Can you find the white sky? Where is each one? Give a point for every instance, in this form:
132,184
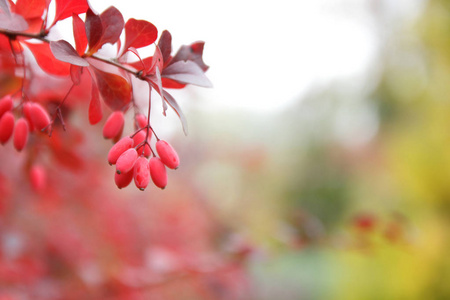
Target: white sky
265,54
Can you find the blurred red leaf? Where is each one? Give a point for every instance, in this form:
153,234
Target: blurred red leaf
64,51
115,90
187,72
139,33
75,74
95,107
66,8
79,34
47,61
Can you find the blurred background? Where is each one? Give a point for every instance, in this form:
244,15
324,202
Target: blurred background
318,167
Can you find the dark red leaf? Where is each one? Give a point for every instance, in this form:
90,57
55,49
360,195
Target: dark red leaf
139,33
79,34
66,8
95,107
47,61
112,21
13,22
94,30
115,90
187,72
165,45
30,9
173,103
64,51
193,52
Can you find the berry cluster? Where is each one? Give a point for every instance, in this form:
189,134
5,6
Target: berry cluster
131,154
25,28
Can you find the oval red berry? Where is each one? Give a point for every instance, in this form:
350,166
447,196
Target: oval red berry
124,179
39,116
168,155
141,173
6,104
114,125
120,147
27,113
6,126
20,134
126,161
158,172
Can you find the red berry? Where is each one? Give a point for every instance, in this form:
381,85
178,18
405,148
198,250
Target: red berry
6,104
141,173
141,121
39,116
139,138
114,125
168,155
20,134
6,126
27,113
38,177
124,179
120,147
158,172
126,161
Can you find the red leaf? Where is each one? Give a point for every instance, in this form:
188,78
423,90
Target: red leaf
193,52
112,21
66,8
139,33
47,61
95,107
30,9
79,34
115,90
165,45
187,72
173,103
172,84
75,74
94,30
64,51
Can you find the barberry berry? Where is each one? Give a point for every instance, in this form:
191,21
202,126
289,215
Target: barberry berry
126,161
20,134
141,121
114,125
27,113
118,148
168,155
6,126
6,104
141,173
124,179
39,116
158,172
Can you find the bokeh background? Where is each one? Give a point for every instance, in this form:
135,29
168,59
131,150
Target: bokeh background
318,167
